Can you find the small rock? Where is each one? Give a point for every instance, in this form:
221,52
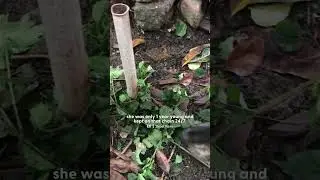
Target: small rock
152,16
192,11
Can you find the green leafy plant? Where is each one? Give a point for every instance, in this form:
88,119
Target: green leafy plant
147,141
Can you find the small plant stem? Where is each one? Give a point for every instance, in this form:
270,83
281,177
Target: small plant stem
13,98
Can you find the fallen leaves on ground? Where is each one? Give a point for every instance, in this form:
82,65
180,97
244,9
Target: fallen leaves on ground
246,57
162,161
119,154
136,42
123,166
194,52
306,64
186,79
122,163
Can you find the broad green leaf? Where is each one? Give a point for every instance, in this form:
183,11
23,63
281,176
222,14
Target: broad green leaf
123,97
178,159
270,15
40,116
140,148
181,28
204,57
149,175
34,159
200,72
22,39
115,73
98,9
140,177
147,143
153,139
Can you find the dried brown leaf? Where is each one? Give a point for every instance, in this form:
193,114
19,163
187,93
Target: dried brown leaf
192,54
119,154
136,42
306,64
129,153
134,167
162,161
246,57
187,79
120,165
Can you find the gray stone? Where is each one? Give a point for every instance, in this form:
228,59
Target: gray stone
152,16
191,10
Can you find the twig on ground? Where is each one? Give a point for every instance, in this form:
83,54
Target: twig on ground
127,147
171,154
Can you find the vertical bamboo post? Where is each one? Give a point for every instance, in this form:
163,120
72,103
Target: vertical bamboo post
68,57
121,20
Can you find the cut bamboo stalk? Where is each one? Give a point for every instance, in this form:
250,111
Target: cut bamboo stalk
121,21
